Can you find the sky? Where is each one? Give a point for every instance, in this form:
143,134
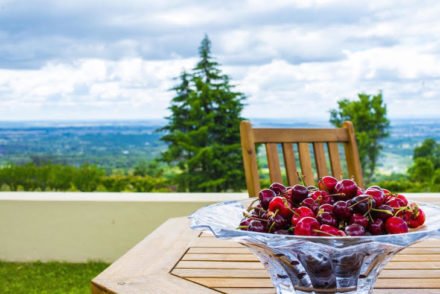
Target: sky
94,60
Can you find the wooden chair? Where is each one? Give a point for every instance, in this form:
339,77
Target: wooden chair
302,137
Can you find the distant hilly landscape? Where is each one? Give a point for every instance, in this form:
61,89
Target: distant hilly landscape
121,145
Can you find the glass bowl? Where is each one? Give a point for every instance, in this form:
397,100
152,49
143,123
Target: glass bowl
309,264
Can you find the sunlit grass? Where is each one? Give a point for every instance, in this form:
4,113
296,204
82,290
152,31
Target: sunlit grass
51,277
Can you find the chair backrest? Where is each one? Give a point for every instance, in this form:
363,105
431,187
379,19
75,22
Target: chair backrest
303,138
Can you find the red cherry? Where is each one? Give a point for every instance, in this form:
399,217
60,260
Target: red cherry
321,197
414,216
396,225
402,199
301,212
377,195
328,184
395,203
326,230
280,205
307,226
347,187
386,192
359,219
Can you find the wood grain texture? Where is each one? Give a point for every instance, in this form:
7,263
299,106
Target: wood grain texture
335,160
273,162
287,137
320,159
352,155
290,164
249,158
280,135
145,268
306,163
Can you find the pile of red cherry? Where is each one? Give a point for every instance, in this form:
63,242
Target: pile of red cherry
336,208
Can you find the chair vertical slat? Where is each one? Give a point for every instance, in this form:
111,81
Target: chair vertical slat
335,160
249,158
352,155
290,164
321,162
273,163
306,163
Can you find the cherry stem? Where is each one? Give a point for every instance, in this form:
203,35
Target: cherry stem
337,195
363,200
271,227
250,207
326,233
382,210
301,178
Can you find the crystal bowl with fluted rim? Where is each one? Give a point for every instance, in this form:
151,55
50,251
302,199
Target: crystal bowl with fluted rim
314,264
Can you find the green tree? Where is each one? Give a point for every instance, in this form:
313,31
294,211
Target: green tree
203,129
422,170
369,116
429,149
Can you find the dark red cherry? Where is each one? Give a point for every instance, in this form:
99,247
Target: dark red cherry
297,193
362,203
359,219
257,226
355,230
310,203
278,188
276,222
383,212
265,197
327,218
342,210
377,227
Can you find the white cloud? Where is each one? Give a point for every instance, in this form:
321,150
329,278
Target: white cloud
79,60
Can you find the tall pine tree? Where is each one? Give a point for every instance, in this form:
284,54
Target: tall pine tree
203,133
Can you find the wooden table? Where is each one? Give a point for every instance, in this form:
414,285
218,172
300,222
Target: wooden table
175,259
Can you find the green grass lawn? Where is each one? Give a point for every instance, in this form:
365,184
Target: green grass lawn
50,277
